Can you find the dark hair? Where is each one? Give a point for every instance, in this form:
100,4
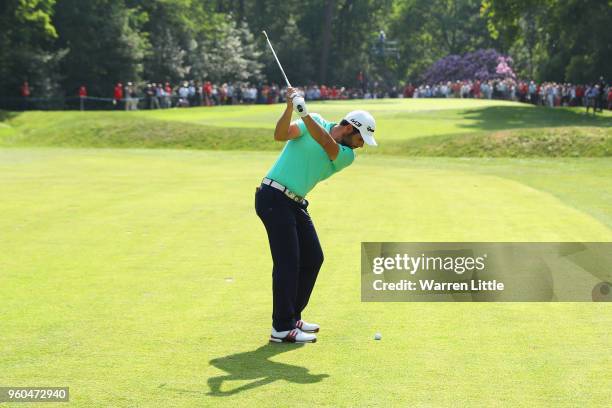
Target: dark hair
346,122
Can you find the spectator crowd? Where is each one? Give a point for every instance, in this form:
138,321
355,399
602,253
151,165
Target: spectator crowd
129,96
194,93
596,96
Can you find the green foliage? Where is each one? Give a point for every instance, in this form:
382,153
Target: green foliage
226,54
26,47
98,42
428,30
292,50
170,36
36,13
104,41
292,37
355,29
560,40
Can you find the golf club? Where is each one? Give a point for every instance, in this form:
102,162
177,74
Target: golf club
277,61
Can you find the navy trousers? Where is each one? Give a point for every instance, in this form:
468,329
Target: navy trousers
296,254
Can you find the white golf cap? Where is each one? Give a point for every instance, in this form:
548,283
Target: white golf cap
365,123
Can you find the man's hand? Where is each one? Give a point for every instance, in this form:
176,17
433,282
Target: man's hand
284,129
297,102
289,97
299,106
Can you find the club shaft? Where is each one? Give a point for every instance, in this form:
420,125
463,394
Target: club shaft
276,58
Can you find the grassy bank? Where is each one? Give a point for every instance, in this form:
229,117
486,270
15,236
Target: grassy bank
451,128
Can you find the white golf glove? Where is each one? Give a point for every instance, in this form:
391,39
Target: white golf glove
299,105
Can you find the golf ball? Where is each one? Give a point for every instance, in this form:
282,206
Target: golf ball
377,336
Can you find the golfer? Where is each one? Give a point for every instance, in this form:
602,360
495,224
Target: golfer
315,150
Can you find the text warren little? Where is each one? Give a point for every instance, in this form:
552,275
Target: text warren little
431,285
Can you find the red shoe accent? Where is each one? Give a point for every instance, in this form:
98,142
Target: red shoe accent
300,325
291,336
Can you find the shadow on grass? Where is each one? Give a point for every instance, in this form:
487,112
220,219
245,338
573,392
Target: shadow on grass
256,365
8,115
512,117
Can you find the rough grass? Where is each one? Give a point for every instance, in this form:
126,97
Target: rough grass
536,142
450,128
123,131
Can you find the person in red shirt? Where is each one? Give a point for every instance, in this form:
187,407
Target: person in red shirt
579,95
207,92
456,87
167,95
476,89
409,91
25,94
610,98
82,96
118,95
324,93
523,91
334,93
362,81
25,89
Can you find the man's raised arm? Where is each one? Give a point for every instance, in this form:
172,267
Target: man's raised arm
284,129
316,131
322,137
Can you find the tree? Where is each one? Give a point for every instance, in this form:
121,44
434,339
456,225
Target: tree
326,39
168,28
26,45
428,30
292,38
227,54
105,43
479,65
355,23
559,40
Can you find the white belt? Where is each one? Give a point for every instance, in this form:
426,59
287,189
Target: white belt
284,190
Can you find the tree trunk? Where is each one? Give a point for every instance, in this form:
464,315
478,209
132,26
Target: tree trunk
240,10
326,40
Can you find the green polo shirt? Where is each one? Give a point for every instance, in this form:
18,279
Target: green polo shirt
303,162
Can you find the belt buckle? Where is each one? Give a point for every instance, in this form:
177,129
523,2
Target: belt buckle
293,196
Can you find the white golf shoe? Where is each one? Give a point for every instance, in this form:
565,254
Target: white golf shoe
307,327
292,336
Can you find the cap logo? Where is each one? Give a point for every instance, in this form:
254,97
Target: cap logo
370,129
355,122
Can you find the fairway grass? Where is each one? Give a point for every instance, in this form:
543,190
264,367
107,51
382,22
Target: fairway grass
143,278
